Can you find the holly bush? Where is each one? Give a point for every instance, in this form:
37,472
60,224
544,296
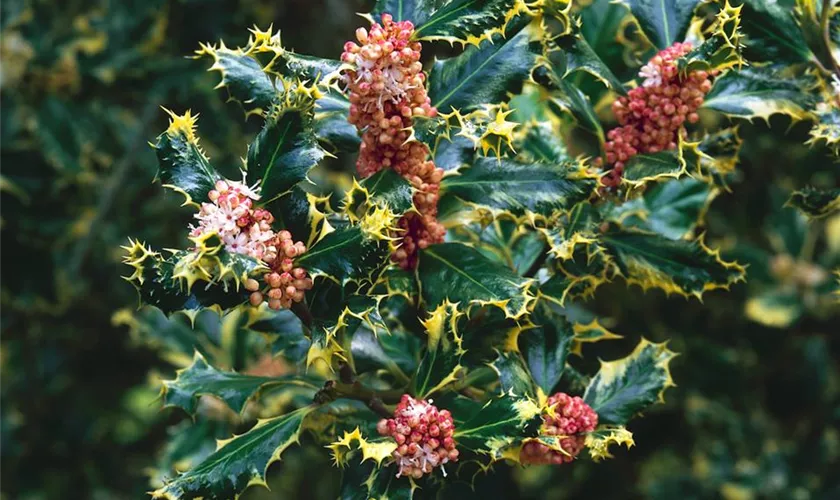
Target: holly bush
459,309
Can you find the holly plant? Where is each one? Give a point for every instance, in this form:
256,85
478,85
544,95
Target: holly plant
425,320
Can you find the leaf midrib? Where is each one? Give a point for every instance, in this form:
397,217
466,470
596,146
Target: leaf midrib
433,254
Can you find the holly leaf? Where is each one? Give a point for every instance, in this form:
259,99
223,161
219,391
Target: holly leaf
469,22
826,132
345,255
546,347
579,56
625,387
598,441
513,374
484,73
672,209
385,189
298,212
457,273
508,187
816,203
444,349
541,143
498,424
235,389
664,21
242,76
772,33
568,98
760,92
776,307
238,462
646,168
416,11
182,165
286,149
330,122
687,268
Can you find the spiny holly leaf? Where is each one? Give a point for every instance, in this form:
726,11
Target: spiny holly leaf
242,76
182,165
722,47
377,449
238,462
671,209
168,282
331,125
816,203
579,56
566,98
286,148
397,352
760,93
416,11
384,189
470,21
647,168
772,32
345,255
687,268
498,424
513,374
598,442
507,187
664,21
577,228
827,130
364,481
579,275
442,360
546,347
235,389
624,387
486,73
585,333
504,241
301,214
720,154
460,274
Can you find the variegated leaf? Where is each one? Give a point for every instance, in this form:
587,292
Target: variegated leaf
816,203
760,93
469,22
772,32
182,165
442,359
686,268
497,425
507,187
664,21
624,387
345,255
238,462
235,389
486,73
457,273
513,374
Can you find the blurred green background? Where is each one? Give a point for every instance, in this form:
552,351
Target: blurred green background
756,412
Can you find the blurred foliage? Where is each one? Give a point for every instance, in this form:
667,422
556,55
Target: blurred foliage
756,412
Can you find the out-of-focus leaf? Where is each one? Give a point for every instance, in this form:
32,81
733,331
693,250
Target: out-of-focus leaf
239,461
816,203
776,308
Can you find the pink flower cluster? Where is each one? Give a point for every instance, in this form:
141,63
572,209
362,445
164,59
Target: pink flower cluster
651,117
387,89
571,420
423,435
246,230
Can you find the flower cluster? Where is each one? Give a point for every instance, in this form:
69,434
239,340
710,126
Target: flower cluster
570,419
387,90
651,117
246,230
423,435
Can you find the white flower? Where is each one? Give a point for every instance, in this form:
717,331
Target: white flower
652,76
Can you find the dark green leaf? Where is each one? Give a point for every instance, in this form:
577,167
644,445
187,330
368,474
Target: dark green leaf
687,268
624,387
385,188
460,274
181,162
513,375
567,98
816,203
416,11
546,347
238,461
663,21
484,74
331,125
772,33
296,212
345,255
235,389
498,424
469,21
580,57
285,150
541,143
760,93
243,77
520,189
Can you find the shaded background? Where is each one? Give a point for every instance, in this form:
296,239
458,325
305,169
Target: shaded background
755,413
